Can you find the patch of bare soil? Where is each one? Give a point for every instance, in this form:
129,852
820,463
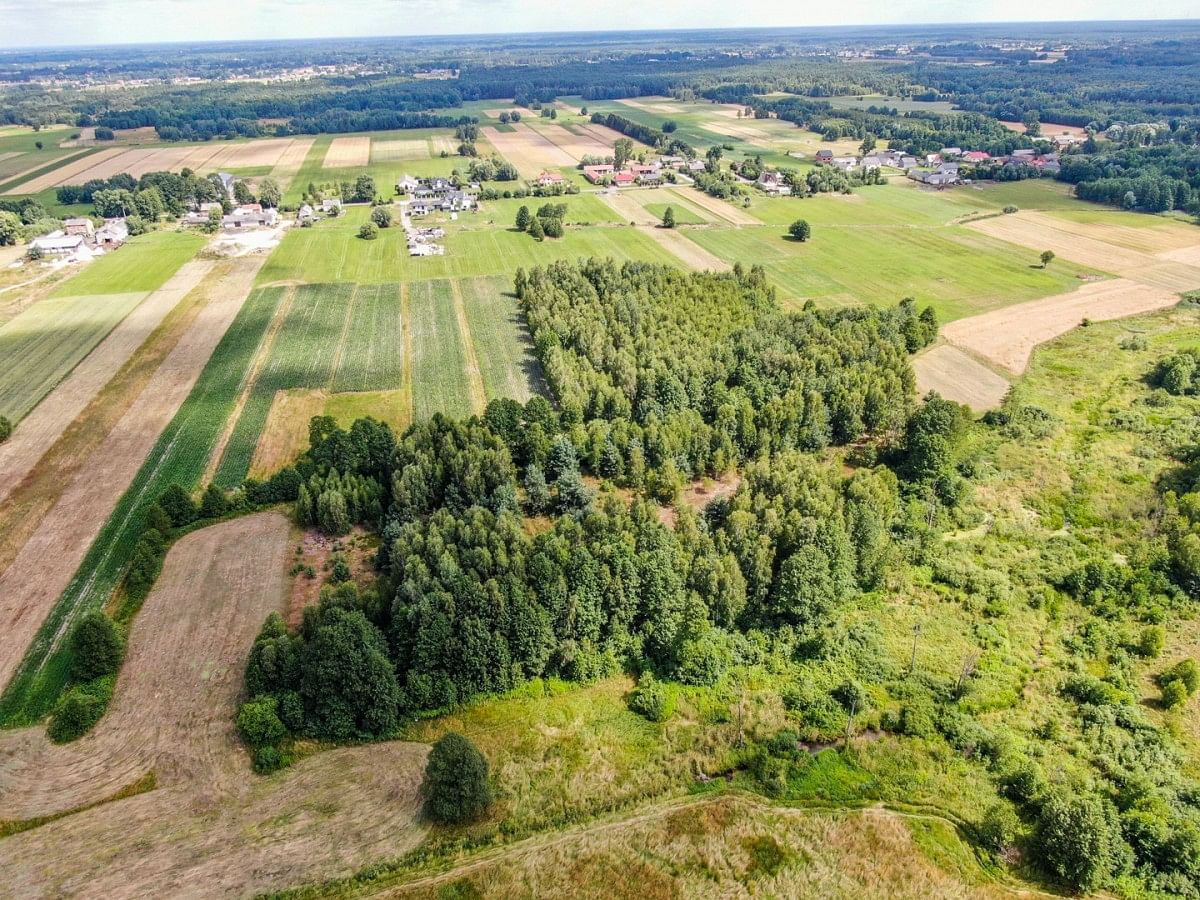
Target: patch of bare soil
958,377
699,494
312,559
210,827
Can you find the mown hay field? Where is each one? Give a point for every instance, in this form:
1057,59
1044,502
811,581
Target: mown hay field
439,363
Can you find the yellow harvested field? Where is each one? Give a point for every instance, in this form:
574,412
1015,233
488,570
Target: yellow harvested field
585,143
1050,129
625,203
1189,256
253,154
527,149
687,252
208,819
654,104
1006,337
290,161
736,129
722,209
443,143
958,377
64,173
285,436
1039,231
347,152
393,151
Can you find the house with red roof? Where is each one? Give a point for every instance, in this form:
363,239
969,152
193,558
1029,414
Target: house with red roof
624,177
598,173
976,156
546,179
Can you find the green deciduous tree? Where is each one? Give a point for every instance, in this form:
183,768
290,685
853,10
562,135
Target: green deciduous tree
800,230
369,231
97,647
456,788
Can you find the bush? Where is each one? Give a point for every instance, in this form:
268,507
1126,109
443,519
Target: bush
650,699
456,785
96,647
177,504
916,719
369,231
1078,839
79,710
267,760
703,660
1009,210
6,429
999,827
1185,671
1174,693
800,230
381,216
259,724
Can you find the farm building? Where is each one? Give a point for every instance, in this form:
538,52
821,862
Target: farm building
845,163
407,184
976,156
305,214
79,226
696,165
598,173
624,177
549,179
113,233
58,243
250,215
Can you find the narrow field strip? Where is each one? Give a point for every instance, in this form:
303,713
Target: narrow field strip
30,180
248,382
719,208
348,152
507,362
691,254
628,207
39,430
474,377
440,382
375,330
76,557
956,376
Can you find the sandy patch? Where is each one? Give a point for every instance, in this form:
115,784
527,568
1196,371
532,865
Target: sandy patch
1006,337
958,377
210,821
654,105
45,424
745,132
1050,129
64,173
580,144
47,562
346,152
527,149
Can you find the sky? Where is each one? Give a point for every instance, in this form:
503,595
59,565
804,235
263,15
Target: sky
71,22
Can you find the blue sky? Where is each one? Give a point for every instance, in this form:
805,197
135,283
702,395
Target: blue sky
59,22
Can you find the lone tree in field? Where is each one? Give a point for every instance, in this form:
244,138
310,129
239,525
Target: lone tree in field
97,647
668,219
523,218
800,230
456,781
1047,257
369,231
382,216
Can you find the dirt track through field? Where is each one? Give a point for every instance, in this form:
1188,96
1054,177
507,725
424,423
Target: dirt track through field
958,377
39,574
688,252
43,426
210,827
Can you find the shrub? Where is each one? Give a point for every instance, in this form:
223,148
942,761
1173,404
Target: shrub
1174,693
381,216
79,710
999,827
916,719
1150,641
1078,839
649,699
369,231
1009,210
703,660
6,429
456,785
259,724
96,647
1185,671
267,760
177,504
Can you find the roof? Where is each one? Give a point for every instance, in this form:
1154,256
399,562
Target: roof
77,221
57,241
825,154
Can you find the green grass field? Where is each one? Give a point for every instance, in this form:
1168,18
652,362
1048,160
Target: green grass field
42,345
143,264
501,338
439,363
179,457
332,251
957,271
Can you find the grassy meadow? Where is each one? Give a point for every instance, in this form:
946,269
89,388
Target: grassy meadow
143,264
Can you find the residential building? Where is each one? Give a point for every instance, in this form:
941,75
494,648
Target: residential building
305,214
774,183
845,163
598,173
407,184
824,157
549,179
976,156
624,177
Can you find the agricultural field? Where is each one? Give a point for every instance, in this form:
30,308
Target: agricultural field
143,264
507,364
440,377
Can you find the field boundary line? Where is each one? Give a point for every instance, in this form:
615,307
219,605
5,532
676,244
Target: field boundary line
406,369
261,355
474,374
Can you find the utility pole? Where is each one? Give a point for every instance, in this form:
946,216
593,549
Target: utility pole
912,663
